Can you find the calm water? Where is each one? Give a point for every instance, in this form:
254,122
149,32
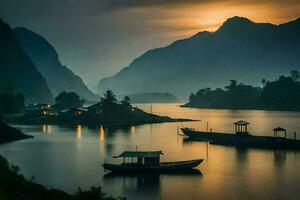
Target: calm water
68,157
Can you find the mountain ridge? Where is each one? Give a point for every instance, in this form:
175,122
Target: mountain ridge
15,65
43,54
240,49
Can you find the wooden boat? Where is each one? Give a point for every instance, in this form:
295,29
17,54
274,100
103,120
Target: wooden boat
149,161
243,139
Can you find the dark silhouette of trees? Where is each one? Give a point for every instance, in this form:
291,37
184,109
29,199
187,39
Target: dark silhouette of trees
66,100
125,102
281,94
295,75
11,104
108,102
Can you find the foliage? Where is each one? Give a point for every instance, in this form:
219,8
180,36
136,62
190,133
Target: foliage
66,100
281,94
126,102
94,193
234,96
11,104
108,102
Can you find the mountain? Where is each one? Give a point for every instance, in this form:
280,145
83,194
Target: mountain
153,97
45,57
240,49
17,67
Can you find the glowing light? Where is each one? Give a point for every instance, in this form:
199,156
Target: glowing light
79,131
46,128
132,130
102,134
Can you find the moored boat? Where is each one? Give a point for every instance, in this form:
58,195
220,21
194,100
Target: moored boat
149,161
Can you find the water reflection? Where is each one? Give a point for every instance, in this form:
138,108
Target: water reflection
79,131
102,134
62,160
149,185
241,155
46,128
132,130
279,157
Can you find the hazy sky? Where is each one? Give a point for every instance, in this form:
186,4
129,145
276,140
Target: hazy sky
96,38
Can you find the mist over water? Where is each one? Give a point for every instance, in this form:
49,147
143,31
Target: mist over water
69,157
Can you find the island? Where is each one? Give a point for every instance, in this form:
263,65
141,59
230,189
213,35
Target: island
69,109
282,94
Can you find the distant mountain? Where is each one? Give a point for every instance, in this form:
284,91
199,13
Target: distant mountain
153,97
45,57
17,67
240,49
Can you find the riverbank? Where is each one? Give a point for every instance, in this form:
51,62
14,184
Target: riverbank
9,134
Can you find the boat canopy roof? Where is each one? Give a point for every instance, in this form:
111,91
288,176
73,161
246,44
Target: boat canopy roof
143,154
241,122
279,129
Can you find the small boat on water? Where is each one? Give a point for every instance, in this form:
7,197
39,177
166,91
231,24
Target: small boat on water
243,139
148,161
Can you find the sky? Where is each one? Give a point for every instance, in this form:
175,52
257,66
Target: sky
97,38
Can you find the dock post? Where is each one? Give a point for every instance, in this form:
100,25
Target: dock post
206,148
207,126
295,135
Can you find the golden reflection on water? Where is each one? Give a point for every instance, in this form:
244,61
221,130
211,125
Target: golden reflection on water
46,128
102,133
79,131
132,130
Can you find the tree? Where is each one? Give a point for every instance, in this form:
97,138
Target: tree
263,81
108,102
66,100
109,96
126,101
295,75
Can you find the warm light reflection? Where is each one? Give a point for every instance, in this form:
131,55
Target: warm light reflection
102,134
46,128
79,131
132,130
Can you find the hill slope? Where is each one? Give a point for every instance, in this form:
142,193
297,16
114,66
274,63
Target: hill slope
240,49
16,66
45,57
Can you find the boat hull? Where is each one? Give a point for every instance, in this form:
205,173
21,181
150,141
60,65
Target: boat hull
163,167
243,141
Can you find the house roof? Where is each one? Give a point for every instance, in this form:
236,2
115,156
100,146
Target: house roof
144,154
241,122
279,129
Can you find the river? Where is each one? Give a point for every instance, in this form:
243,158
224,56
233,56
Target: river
70,157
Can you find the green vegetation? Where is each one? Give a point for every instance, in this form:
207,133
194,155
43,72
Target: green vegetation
280,94
66,100
10,101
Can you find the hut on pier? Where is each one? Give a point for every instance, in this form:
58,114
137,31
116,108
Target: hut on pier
241,127
278,131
